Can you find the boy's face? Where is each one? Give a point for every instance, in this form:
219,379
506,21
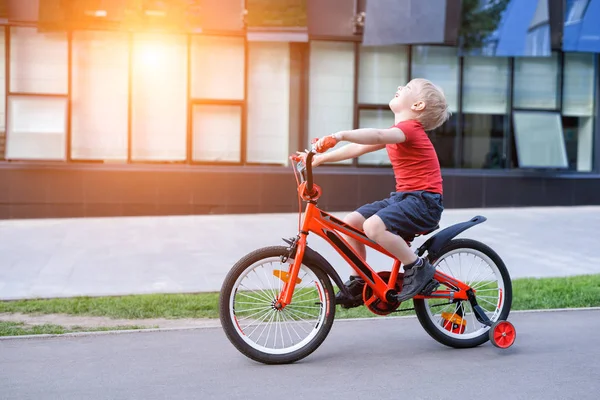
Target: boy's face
405,97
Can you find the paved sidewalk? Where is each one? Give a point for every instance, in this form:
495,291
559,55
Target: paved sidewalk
113,256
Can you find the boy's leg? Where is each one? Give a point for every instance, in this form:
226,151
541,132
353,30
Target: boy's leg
409,214
356,220
355,284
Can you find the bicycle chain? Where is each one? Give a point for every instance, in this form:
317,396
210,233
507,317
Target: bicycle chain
411,309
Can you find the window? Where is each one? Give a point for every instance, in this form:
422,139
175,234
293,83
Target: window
36,128
331,91
217,68
99,114
218,78
381,71
576,11
485,105
38,62
159,98
443,139
2,93
578,109
375,119
539,139
439,65
268,102
536,82
216,132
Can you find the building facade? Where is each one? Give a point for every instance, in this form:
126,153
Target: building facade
112,123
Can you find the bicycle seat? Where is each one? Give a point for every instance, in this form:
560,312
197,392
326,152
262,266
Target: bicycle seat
429,231
410,238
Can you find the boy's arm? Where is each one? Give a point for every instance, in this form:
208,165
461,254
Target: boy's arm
347,152
371,136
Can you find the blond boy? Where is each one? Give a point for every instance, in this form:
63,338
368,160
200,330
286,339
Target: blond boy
416,205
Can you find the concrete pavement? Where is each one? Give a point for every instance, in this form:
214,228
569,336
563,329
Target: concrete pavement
114,256
556,356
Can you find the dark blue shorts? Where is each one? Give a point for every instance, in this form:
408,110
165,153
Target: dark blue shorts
407,213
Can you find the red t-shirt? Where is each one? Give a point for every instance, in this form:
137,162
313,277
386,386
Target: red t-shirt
415,162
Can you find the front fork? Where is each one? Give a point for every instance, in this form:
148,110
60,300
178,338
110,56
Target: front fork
296,249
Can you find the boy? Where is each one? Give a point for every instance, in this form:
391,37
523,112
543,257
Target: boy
416,206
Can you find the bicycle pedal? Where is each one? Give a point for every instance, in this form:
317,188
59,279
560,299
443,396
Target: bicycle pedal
430,287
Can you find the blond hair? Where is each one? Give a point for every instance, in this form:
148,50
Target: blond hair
436,110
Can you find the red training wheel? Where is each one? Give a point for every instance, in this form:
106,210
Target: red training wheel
503,334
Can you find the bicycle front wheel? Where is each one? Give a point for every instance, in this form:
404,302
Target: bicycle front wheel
258,329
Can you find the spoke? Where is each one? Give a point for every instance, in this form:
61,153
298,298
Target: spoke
261,322
487,290
311,307
315,300
302,312
268,325
477,272
270,281
489,302
250,309
287,329
292,325
276,326
448,265
264,287
260,292
250,316
261,299
281,329
478,282
467,279
299,319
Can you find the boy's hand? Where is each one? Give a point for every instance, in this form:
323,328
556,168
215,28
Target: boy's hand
316,161
327,142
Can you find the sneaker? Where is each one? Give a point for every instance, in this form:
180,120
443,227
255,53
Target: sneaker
415,280
355,286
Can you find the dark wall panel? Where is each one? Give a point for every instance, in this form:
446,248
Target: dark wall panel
42,191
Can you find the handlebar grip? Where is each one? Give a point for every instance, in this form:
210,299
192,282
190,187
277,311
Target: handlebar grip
327,143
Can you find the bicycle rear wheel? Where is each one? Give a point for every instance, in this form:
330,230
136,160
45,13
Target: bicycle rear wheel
477,265
258,329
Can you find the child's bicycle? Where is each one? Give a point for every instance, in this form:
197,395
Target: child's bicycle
277,304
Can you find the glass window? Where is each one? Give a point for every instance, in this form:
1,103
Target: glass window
578,109
539,139
443,139
485,85
159,98
381,71
331,91
439,65
217,132
578,95
217,67
483,141
268,102
576,10
2,93
99,114
36,128
536,82
375,119
38,61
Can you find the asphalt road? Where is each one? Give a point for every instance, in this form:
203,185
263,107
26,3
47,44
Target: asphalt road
556,356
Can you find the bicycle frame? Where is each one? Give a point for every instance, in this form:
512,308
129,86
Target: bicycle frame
329,228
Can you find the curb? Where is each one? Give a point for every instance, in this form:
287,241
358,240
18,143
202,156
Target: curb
218,325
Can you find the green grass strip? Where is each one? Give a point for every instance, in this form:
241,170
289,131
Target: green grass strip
528,294
20,329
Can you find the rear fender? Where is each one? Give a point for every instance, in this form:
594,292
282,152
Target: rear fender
434,244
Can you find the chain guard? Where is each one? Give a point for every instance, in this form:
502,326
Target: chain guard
378,306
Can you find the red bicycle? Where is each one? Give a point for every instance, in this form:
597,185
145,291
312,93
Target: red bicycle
277,304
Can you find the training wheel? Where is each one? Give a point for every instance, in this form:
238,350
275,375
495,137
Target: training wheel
502,334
